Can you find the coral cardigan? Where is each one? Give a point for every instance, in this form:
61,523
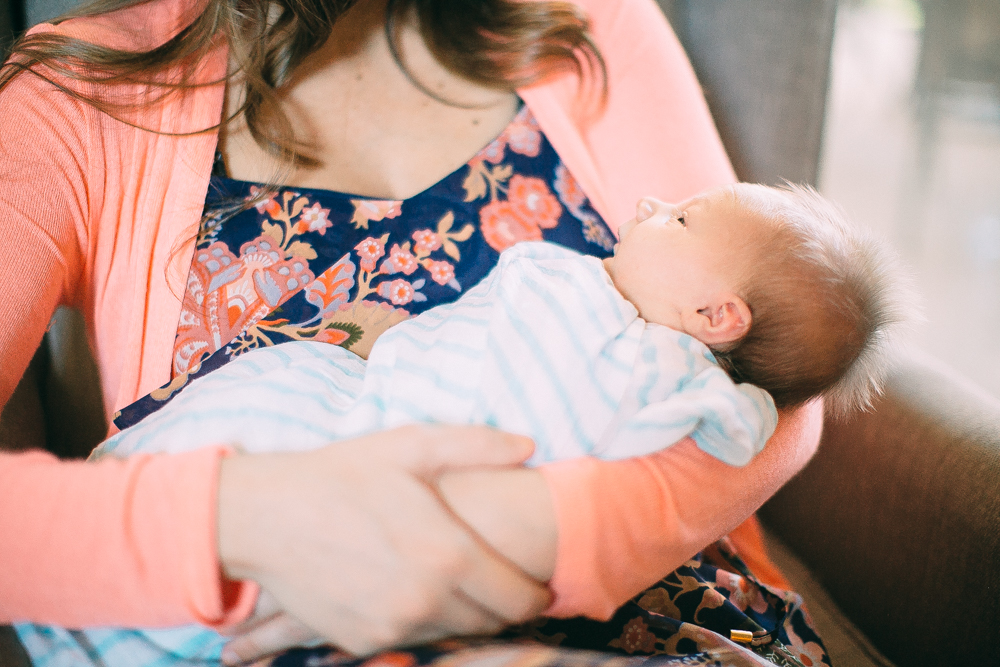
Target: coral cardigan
95,214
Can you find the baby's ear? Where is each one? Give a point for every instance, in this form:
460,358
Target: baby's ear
725,320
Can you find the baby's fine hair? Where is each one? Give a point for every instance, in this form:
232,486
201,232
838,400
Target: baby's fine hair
825,300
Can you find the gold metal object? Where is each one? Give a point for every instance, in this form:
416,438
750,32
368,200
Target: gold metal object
741,636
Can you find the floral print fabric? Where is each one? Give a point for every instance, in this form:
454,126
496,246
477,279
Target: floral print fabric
302,264
687,618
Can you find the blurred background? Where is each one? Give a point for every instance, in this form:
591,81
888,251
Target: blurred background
910,147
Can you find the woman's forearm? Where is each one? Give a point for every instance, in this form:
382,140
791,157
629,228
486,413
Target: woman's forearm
602,531
625,524
113,543
511,510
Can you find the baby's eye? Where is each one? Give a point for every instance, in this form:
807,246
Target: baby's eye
680,219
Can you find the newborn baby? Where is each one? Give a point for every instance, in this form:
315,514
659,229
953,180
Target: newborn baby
544,346
711,313
740,285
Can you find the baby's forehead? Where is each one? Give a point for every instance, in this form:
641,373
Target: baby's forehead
750,214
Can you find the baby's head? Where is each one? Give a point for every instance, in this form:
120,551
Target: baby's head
784,291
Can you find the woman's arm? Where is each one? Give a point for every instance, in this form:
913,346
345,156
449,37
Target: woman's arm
602,531
352,539
81,543
625,524
512,510
111,543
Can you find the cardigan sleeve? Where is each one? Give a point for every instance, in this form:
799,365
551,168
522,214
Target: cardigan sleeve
80,543
44,165
114,543
625,524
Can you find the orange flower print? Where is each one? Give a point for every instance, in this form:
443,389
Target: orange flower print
370,250
331,288
332,336
274,278
373,210
227,294
636,637
441,272
532,196
314,219
426,241
503,224
269,205
399,291
523,135
568,189
742,593
809,654
400,261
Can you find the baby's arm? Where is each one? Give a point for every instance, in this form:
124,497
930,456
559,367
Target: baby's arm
511,510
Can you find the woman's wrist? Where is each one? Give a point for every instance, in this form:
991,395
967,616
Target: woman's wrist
512,510
233,527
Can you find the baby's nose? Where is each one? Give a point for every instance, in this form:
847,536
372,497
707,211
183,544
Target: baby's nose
647,207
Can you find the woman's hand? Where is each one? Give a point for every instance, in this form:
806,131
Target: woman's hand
353,541
269,631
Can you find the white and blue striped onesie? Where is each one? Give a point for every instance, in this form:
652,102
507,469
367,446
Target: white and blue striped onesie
544,346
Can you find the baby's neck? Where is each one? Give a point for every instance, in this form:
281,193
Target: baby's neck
609,268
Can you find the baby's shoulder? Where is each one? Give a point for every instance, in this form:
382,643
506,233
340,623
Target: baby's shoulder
550,261
548,275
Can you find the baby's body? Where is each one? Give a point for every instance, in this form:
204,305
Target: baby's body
545,346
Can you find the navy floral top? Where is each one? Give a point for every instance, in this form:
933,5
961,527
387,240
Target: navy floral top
307,264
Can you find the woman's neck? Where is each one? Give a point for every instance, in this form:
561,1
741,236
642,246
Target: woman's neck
372,130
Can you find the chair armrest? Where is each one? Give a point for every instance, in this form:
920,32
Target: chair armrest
58,403
898,516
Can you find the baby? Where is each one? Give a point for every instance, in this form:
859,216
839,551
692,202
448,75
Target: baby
710,313
704,305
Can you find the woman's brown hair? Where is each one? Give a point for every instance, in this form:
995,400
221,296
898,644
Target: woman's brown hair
499,43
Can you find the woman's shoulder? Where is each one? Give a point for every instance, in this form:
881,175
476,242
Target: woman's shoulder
635,17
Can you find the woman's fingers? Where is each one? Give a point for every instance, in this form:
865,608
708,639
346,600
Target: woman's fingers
278,633
499,587
427,450
265,609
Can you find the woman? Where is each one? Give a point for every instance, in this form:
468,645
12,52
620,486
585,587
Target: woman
104,208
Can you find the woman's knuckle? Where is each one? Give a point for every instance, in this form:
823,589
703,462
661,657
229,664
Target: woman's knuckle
377,637
413,608
454,563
